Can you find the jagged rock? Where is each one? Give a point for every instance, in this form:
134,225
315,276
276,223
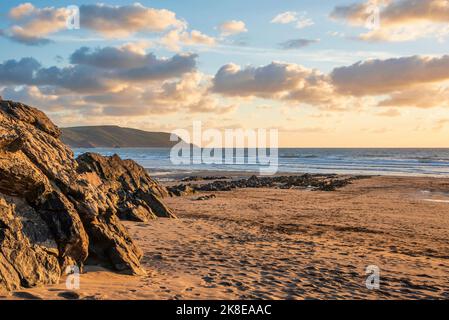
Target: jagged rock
25,173
181,190
28,252
134,194
55,211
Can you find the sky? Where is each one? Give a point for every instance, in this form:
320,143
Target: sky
357,73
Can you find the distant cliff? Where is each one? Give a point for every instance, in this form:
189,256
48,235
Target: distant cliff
114,137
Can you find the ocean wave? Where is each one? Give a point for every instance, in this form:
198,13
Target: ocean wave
298,156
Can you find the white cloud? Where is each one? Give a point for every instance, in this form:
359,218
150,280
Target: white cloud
399,20
385,76
278,80
32,25
300,19
120,21
416,81
285,17
232,27
176,39
113,82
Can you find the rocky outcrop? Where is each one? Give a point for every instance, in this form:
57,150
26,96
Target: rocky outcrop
57,212
182,190
132,192
314,182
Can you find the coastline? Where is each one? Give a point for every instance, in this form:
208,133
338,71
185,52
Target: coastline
176,175
356,161
288,244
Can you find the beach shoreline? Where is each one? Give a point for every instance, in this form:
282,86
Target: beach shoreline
359,161
179,175
266,243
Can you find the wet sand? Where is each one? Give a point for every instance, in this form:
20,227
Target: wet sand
288,244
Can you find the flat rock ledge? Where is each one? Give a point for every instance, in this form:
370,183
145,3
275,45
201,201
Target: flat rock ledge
57,211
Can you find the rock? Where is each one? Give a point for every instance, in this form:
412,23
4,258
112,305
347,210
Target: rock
27,257
205,178
56,211
218,186
316,182
181,190
133,193
208,197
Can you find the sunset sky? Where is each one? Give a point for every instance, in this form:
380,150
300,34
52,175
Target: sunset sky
315,70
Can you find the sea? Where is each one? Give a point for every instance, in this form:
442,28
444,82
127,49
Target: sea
403,162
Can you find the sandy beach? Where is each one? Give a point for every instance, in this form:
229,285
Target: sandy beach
287,244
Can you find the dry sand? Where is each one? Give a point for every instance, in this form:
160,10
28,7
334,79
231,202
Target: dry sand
289,244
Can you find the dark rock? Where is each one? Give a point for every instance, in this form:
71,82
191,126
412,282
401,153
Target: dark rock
24,260
133,194
56,211
316,182
208,197
181,190
205,178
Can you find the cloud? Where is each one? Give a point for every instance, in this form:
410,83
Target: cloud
33,95
416,81
375,77
285,17
105,81
112,82
297,43
400,20
289,17
21,35
189,93
211,105
18,72
126,63
422,97
304,22
161,69
356,14
31,25
111,57
120,21
267,80
96,70
389,113
175,39
232,27
279,81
